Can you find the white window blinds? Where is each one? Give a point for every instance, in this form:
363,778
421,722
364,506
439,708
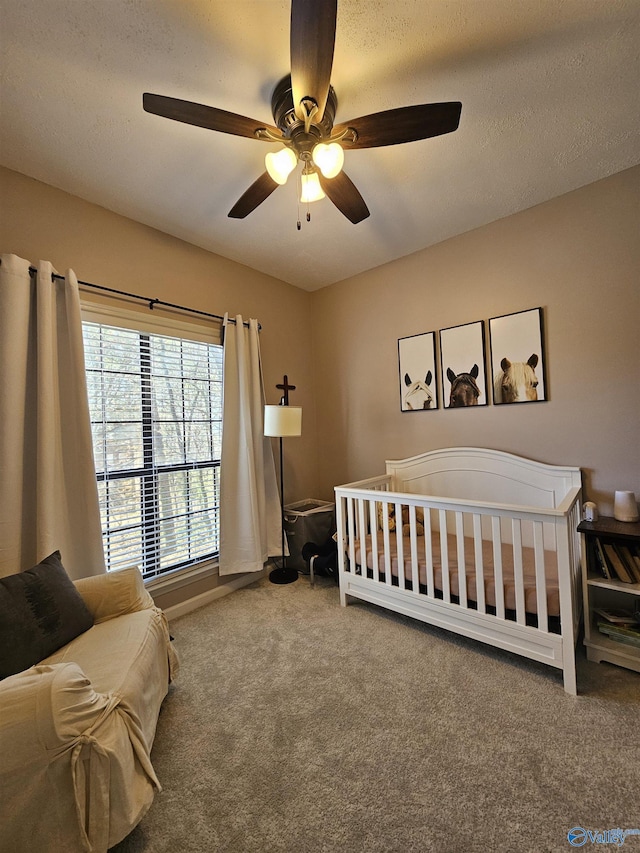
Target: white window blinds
156,416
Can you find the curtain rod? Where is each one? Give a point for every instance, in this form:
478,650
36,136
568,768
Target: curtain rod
151,302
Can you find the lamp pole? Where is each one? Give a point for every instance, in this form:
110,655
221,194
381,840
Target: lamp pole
281,421
282,574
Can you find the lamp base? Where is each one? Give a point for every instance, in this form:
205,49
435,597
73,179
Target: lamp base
283,575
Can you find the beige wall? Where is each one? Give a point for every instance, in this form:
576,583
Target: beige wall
578,257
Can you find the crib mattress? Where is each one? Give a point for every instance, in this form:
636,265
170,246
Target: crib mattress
528,561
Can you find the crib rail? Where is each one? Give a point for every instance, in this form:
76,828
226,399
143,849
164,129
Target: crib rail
387,547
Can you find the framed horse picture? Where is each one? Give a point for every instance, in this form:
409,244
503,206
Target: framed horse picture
462,356
518,362
417,367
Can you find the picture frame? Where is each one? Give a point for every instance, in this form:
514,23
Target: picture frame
462,358
518,358
417,372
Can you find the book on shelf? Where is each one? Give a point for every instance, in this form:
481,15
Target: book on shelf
633,642
601,560
615,563
621,634
630,558
616,617
623,630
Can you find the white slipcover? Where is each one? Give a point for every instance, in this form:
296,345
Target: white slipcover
76,730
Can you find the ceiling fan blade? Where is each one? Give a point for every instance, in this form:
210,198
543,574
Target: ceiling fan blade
201,115
254,196
344,194
405,124
313,36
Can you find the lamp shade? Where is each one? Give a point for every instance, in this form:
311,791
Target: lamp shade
311,189
282,421
280,164
328,158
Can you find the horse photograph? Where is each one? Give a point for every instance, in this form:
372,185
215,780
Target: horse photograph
462,355
417,368
417,396
517,357
516,381
464,388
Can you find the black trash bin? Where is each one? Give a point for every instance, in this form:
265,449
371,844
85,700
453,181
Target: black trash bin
307,521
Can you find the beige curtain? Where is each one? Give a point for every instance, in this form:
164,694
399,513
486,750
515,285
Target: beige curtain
250,519
48,492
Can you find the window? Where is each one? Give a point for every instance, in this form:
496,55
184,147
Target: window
156,417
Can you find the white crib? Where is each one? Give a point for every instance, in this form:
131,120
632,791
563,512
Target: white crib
496,557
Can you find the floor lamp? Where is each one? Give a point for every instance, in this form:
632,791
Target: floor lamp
281,422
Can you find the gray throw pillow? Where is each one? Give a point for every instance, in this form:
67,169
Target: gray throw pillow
40,611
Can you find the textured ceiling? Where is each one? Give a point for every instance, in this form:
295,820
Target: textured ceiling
549,90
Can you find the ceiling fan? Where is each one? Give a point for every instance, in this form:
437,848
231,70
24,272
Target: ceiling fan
304,105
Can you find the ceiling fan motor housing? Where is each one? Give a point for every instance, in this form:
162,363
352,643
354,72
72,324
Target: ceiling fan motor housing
293,128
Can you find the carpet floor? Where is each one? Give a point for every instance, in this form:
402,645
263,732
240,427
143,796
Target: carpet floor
298,726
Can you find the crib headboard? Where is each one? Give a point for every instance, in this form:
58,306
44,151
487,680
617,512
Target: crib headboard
482,474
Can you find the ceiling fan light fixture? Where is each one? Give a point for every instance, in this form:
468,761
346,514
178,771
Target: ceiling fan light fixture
329,158
280,164
311,189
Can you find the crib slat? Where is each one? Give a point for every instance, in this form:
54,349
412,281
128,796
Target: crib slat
414,549
444,555
477,548
351,536
362,536
516,538
400,546
361,519
428,552
462,576
385,543
497,565
541,581
373,526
